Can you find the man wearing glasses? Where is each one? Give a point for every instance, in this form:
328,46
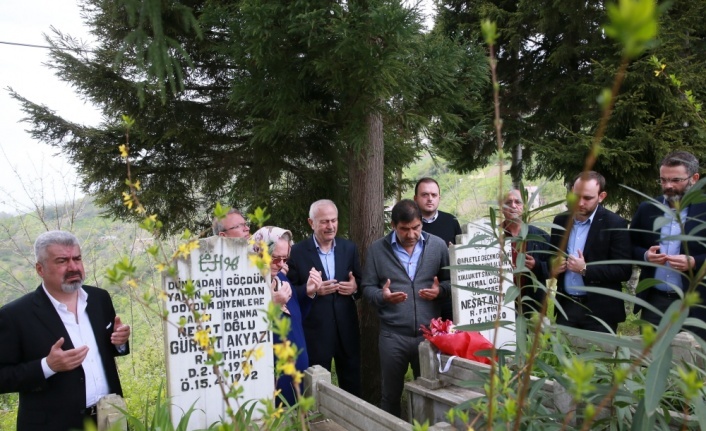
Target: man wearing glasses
533,245
233,225
656,241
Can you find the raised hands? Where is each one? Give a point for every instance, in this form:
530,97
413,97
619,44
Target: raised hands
282,292
65,360
430,293
348,287
121,333
392,297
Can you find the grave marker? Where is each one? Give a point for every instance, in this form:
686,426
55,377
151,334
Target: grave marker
477,307
240,295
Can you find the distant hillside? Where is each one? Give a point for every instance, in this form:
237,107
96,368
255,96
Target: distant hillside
102,241
470,196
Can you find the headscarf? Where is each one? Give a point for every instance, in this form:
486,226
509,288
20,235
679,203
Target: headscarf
269,235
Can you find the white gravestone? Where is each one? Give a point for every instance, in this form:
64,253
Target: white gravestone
479,307
240,295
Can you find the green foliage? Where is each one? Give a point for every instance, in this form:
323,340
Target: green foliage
633,24
555,62
283,112
159,418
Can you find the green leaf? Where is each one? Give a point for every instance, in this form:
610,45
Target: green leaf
699,409
656,383
489,29
483,326
634,24
641,420
669,326
220,211
601,337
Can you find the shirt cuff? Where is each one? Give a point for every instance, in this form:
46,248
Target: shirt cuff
48,372
121,348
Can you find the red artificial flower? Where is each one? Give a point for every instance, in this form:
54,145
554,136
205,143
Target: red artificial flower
442,334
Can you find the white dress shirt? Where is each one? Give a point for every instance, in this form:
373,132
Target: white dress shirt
81,334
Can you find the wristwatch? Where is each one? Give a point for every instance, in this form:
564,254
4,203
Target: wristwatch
583,271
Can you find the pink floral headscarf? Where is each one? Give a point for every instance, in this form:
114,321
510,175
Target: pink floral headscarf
269,235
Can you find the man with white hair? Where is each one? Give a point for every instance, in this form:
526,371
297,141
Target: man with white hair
330,264
59,342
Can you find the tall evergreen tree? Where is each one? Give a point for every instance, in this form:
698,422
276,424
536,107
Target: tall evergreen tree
553,62
272,103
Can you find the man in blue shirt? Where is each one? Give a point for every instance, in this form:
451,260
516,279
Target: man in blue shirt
404,278
594,234
678,172
331,265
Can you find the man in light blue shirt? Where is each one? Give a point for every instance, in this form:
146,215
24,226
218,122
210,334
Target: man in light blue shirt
654,231
593,234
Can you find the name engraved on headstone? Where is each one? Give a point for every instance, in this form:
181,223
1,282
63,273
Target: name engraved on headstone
477,306
239,294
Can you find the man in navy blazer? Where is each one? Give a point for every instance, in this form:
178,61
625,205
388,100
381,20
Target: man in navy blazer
595,234
678,172
332,265
59,342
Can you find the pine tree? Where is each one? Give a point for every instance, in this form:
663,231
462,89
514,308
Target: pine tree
554,60
261,103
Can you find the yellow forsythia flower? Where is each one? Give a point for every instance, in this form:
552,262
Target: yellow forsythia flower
127,200
123,151
201,337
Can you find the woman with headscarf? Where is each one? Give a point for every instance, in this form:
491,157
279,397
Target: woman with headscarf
279,242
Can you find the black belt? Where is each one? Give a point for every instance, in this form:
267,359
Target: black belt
91,411
666,293
578,298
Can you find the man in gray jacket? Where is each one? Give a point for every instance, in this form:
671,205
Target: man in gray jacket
405,279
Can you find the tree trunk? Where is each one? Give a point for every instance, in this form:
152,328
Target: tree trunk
367,207
517,167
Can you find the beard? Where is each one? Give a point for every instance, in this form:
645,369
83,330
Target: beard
71,287
672,196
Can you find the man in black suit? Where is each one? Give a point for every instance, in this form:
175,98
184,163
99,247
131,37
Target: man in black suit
331,264
59,342
594,234
678,172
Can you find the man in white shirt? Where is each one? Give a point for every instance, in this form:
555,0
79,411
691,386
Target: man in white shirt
59,342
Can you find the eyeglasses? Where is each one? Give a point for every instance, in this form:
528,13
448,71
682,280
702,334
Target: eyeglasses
510,202
237,226
279,259
671,180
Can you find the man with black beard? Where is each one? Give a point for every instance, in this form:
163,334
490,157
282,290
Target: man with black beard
59,342
652,242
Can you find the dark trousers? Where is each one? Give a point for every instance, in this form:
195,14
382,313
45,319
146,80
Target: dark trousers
397,352
579,315
659,300
662,301
447,309
347,366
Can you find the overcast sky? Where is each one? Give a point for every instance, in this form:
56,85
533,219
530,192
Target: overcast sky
40,169
42,173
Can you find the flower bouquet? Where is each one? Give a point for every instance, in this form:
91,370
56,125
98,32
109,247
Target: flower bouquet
444,335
